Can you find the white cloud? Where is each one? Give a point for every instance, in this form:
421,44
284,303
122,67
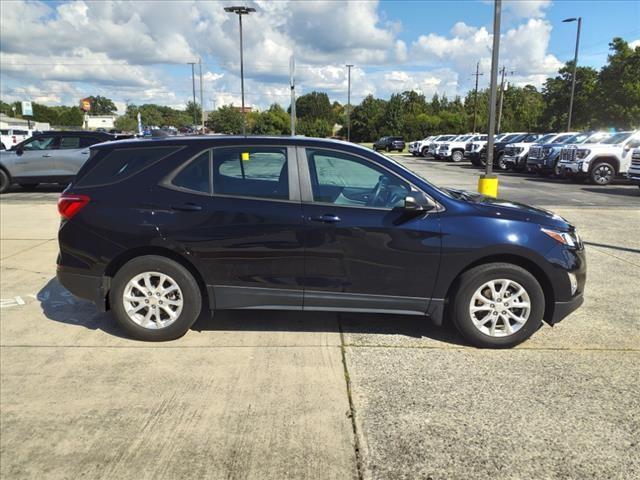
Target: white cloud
138,50
635,43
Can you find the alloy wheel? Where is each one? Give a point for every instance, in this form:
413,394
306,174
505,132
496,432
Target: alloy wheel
153,300
500,308
602,174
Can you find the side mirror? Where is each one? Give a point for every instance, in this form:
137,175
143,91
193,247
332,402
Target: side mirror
19,150
418,203
410,203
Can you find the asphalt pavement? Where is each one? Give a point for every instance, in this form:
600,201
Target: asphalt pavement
290,395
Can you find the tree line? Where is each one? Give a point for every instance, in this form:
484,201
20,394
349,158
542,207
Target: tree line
608,98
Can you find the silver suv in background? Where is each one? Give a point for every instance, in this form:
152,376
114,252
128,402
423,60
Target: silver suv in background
634,168
49,157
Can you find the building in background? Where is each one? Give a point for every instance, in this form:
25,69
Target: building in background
94,122
7,122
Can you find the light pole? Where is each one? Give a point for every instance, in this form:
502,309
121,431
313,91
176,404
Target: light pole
475,96
193,83
241,11
349,102
575,66
488,183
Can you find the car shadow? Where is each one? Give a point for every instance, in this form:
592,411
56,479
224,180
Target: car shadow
59,305
630,190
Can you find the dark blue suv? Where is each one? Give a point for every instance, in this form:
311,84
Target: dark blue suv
157,230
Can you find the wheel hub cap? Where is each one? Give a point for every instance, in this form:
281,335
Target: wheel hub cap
153,300
500,308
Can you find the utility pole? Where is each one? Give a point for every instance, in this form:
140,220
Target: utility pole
201,96
292,83
193,82
349,102
575,66
488,183
502,72
475,96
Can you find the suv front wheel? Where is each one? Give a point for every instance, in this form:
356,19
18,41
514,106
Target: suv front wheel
602,173
155,299
497,305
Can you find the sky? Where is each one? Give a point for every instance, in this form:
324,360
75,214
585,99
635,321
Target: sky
137,52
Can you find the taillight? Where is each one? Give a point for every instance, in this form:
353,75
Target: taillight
70,204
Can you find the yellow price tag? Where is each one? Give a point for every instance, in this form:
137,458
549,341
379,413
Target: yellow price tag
245,156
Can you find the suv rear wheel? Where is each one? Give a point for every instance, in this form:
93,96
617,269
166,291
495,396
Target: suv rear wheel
155,299
602,173
497,305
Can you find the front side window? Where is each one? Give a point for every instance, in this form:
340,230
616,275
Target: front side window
40,143
343,179
251,172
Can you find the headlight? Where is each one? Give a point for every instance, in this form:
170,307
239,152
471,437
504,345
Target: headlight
565,238
582,153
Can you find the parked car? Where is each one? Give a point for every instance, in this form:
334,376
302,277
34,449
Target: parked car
454,149
634,169
476,149
10,137
157,230
600,162
510,156
49,157
435,144
389,144
544,158
420,147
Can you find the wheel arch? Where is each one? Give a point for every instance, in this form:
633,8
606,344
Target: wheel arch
119,261
529,265
615,163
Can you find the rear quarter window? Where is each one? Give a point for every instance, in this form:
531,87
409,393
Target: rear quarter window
105,168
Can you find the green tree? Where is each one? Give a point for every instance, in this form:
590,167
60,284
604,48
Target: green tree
314,127
366,119
102,105
314,105
619,88
192,111
274,121
227,119
393,117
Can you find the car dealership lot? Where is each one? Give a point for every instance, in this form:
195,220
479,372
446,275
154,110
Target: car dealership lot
266,394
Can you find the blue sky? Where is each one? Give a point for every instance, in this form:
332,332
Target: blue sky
137,51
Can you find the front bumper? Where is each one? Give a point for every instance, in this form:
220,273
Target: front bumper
563,309
634,177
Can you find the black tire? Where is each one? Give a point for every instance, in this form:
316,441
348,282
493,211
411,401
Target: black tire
472,280
602,173
389,149
457,156
29,185
475,161
500,163
557,171
191,297
5,181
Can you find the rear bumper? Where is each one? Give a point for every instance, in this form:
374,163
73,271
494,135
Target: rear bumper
88,287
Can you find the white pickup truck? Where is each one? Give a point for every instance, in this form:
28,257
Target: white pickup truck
435,143
10,137
420,147
634,168
600,162
454,149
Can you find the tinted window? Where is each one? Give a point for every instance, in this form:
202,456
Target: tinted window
4,132
251,172
343,179
40,143
122,163
195,175
69,142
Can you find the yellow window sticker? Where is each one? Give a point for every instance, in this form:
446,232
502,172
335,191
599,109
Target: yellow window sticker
245,156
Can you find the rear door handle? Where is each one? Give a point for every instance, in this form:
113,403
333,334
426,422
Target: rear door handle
46,155
326,219
187,207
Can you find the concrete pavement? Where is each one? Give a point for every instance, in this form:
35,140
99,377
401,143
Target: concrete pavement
266,394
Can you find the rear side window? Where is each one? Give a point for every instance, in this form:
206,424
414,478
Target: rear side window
122,163
88,141
251,172
69,142
195,176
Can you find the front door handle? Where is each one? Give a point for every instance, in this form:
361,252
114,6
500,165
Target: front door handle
46,155
187,207
326,218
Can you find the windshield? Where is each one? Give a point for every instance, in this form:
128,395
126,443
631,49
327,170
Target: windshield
530,138
566,137
447,137
463,138
546,138
617,138
512,138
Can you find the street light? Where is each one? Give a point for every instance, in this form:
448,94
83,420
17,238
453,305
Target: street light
239,10
349,103
575,65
